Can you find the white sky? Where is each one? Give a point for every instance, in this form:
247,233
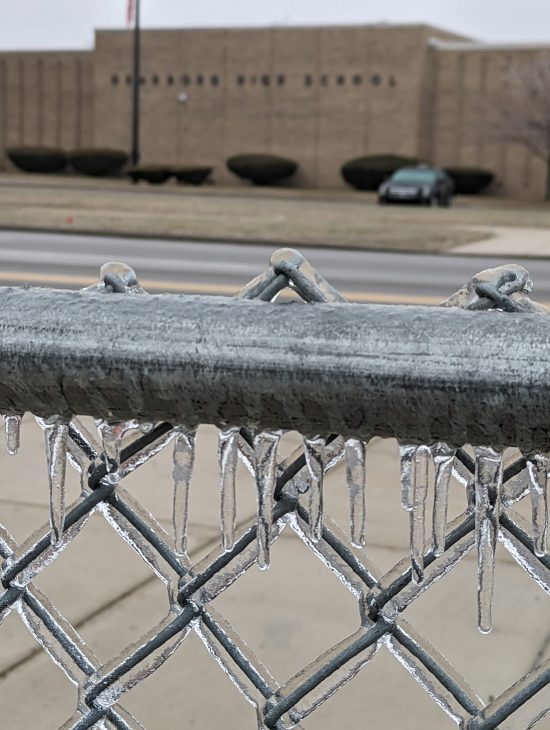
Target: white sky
41,24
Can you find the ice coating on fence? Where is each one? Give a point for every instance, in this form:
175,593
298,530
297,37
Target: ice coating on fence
111,436
228,453
12,424
314,449
308,702
214,649
537,467
56,447
265,452
123,672
356,477
488,482
183,460
417,513
440,694
443,458
390,593
145,454
406,458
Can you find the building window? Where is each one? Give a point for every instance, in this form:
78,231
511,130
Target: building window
357,79
265,80
281,80
376,79
186,80
200,79
156,80
392,80
170,80
114,80
308,80
240,80
215,80
324,80
340,80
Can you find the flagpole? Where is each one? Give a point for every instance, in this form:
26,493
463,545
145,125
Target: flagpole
135,153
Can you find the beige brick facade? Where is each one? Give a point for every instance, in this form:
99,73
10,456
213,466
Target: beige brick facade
46,99
318,95
466,78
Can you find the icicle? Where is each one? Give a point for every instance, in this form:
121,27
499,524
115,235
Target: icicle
443,457
315,460
111,437
12,424
537,467
419,491
56,433
356,473
228,451
406,455
265,452
488,481
183,461
111,433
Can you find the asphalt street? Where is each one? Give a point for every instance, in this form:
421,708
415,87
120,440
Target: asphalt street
72,261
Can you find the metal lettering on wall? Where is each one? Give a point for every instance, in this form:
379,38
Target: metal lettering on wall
289,494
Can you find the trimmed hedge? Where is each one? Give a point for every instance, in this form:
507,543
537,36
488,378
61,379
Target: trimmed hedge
368,173
98,162
262,169
38,159
191,174
470,180
153,174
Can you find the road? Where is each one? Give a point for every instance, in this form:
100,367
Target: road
73,261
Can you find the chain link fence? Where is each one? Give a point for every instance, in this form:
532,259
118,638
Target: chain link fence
339,374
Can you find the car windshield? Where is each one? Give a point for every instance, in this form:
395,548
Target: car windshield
413,176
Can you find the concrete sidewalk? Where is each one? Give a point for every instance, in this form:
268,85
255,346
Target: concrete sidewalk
507,241
288,615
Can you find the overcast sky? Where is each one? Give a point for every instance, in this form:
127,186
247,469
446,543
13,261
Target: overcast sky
29,24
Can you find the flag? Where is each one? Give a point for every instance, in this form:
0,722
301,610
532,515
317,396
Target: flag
130,12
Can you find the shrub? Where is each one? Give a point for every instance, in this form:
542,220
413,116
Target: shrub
368,173
98,162
191,174
262,169
154,174
38,159
469,180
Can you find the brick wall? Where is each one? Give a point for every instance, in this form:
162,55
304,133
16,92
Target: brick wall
45,99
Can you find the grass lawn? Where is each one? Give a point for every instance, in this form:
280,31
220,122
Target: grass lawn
279,215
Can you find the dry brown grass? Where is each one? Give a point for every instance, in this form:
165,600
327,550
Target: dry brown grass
250,214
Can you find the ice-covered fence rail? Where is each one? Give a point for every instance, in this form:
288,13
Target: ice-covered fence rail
420,374
435,378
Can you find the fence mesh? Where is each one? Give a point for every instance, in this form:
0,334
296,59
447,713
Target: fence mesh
289,494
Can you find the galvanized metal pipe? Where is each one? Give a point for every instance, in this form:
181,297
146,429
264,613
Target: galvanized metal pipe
418,373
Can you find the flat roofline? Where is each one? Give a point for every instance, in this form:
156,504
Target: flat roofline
44,51
444,45
281,26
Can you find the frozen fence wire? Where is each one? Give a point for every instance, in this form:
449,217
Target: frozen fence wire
324,371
